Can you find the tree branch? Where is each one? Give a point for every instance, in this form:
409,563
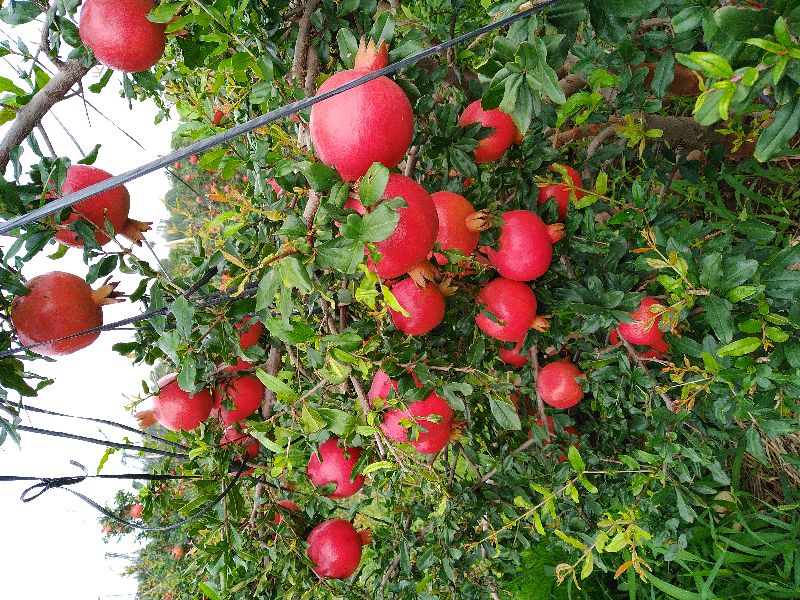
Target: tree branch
272,367
301,45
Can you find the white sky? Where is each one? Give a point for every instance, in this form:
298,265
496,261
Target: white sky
53,547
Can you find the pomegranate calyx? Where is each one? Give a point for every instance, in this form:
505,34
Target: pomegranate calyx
134,230
370,56
447,288
146,418
479,221
540,323
423,273
107,294
555,232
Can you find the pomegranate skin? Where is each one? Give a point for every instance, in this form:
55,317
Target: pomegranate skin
557,386
425,307
250,334
246,393
336,468
493,147
177,410
415,234
513,357
644,330
513,303
655,351
113,205
120,35
58,304
334,547
287,504
453,210
525,250
560,192
233,436
371,123
136,511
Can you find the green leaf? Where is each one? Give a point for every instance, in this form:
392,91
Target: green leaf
276,385
310,420
504,413
184,316
774,139
18,13
373,184
712,65
320,177
711,270
295,275
164,13
6,85
740,347
743,23
718,315
753,445
663,75
341,254
674,591
379,224
267,290
206,588
575,459
684,510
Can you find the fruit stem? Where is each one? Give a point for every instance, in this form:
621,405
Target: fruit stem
423,273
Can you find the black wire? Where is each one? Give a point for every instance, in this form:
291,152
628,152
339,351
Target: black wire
223,137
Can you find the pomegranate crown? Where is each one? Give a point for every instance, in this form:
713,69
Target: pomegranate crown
371,57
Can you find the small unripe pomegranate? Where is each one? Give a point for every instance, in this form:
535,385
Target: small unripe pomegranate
560,192
371,123
287,504
177,552
525,248
425,307
557,386
513,357
495,145
194,159
120,35
336,467
335,548
513,304
57,305
176,409
459,224
136,511
644,330
217,117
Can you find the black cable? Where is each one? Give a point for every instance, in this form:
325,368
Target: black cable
279,113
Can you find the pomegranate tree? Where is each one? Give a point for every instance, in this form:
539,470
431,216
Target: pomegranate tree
513,305
505,132
120,34
58,305
334,546
424,305
334,464
371,123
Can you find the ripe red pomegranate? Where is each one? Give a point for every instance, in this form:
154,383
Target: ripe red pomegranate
113,205
218,116
177,552
513,357
525,248
371,123
232,435
429,442
250,335
107,529
560,192
570,431
245,392
175,409
513,304
194,159
335,548
287,504
557,386
425,307
336,467
59,304
415,234
120,35
136,511
492,147
644,330
459,224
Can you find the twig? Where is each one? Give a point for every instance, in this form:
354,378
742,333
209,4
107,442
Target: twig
632,353
595,144
411,161
273,365
534,354
301,45
47,140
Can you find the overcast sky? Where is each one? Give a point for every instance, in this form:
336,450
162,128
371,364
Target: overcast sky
53,546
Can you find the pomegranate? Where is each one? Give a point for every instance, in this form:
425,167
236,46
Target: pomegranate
459,224
560,192
120,35
175,409
492,147
335,548
415,234
177,552
336,467
425,307
655,351
570,431
557,386
644,330
287,504
218,116
234,436
194,159
436,436
136,511
513,357
245,392
250,334
112,205
57,305
513,304
371,123
107,529
525,247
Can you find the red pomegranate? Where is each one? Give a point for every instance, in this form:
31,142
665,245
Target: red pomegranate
120,35
459,224
217,117
525,248
570,431
415,234
112,205
232,435
57,305
655,351
425,307
288,505
335,548
513,357
371,123
492,147
336,467
644,330
557,386
436,436
175,409
513,304
560,192
245,392
136,511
